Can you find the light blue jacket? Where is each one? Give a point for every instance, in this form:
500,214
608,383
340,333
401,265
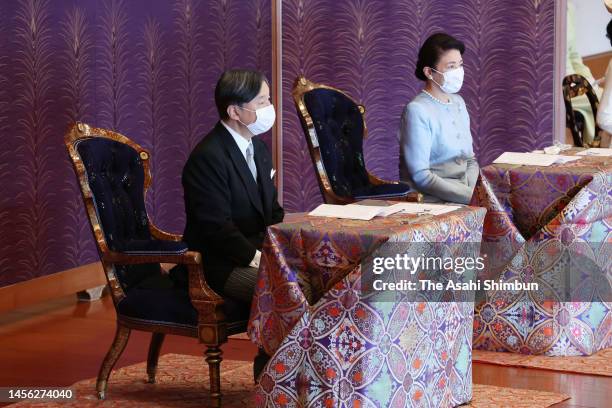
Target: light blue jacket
436,153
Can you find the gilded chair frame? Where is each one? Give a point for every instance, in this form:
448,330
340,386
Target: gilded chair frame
211,329
300,88
576,85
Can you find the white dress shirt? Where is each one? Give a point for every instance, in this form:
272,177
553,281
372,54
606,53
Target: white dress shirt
243,145
240,140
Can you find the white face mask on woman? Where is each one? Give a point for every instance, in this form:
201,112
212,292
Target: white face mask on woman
264,120
453,80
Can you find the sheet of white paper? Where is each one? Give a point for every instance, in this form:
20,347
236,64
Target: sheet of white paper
596,152
566,159
533,159
388,210
419,208
367,212
351,211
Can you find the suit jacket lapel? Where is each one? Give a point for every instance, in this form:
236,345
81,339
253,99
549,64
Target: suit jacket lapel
242,168
263,173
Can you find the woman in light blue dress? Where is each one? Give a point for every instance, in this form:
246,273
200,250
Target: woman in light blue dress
436,153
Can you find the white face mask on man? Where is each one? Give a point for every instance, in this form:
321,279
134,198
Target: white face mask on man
453,80
264,120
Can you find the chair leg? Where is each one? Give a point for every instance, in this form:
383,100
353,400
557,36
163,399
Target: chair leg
157,339
214,358
121,338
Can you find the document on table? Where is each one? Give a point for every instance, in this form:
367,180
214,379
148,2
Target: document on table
419,208
353,211
534,159
596,152
367,212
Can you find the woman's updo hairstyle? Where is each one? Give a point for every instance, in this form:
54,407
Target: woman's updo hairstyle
432,49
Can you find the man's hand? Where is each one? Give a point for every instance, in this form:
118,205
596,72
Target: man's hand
255,261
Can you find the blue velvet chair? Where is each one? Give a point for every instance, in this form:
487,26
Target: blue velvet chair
334,127
113,173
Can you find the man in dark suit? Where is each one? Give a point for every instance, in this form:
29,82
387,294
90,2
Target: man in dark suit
230,197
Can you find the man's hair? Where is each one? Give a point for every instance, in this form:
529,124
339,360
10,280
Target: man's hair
432,49
609,31
236,87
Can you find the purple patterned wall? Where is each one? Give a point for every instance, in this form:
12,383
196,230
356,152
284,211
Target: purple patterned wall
368,48
146,68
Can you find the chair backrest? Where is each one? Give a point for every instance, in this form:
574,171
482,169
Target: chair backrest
334,127
573,86
113,174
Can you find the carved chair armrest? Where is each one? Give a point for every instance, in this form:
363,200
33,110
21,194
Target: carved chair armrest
186,258
158,233
377,181
206,301
413,196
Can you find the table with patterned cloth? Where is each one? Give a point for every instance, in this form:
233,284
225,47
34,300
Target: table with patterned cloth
543,224
345,349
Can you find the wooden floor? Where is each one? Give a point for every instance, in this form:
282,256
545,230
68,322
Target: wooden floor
61,342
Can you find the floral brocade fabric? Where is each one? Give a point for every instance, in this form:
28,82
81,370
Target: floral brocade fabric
345,348
544,222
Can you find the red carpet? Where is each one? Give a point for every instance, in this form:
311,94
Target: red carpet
178,386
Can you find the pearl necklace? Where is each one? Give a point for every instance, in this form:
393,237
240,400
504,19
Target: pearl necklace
435,99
